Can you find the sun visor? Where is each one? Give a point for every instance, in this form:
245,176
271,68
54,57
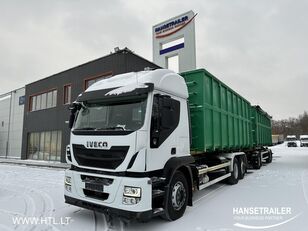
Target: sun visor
128,91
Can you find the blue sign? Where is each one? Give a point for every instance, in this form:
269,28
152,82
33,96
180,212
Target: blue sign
173,48
22,100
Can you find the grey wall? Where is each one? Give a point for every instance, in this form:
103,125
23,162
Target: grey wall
11,124
4,122
54,118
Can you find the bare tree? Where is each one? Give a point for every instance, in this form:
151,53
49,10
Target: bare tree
292,126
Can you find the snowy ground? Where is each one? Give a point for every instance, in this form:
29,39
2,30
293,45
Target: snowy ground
38,192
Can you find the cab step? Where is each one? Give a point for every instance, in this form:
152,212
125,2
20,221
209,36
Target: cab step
157,181
157,193
158,211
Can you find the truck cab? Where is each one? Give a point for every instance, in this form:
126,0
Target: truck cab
303,140
291,141
127,132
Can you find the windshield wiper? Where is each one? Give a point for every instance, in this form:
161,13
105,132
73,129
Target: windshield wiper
86,128
101,129
111,128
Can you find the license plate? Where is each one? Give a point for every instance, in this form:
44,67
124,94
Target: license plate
95,187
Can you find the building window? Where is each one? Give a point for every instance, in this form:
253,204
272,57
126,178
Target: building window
49,99
38,102
43,101
90,81
67,93
54,98
44,145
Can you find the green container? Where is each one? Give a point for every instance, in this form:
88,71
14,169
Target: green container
220,118
261,127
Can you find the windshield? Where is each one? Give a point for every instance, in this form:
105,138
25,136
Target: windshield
111,116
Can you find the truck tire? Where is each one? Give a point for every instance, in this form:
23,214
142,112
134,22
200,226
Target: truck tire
270,157
242,168
177,197
258,163
233,179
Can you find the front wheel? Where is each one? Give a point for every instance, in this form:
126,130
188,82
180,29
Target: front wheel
270,157
177,197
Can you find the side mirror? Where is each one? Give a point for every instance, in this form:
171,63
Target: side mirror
73,108
155,123
71,121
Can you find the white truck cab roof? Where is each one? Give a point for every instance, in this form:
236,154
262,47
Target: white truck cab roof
291,136
162,79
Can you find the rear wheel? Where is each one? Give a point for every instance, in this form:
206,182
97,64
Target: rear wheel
258,162
233,179
177,197
242,167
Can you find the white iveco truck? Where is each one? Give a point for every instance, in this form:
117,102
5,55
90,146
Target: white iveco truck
130,149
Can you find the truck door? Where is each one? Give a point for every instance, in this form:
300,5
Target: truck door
163,140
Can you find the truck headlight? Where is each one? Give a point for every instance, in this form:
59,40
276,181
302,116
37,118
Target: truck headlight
68,183
132,191
68,180
130,200
68,154
68,188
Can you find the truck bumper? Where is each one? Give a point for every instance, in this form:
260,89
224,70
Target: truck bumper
110,199
142,216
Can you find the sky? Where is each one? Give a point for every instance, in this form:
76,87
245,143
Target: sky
259,48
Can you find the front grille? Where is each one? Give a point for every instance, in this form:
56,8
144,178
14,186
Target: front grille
96,195
98,158
100,180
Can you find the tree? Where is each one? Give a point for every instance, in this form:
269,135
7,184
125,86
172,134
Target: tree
292,126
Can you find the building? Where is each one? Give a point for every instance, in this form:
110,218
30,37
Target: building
46,132
11,123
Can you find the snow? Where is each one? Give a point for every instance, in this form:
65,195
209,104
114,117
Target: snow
38,192
125,89
116,81
162,79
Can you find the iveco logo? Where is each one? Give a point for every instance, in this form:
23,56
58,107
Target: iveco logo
95,144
